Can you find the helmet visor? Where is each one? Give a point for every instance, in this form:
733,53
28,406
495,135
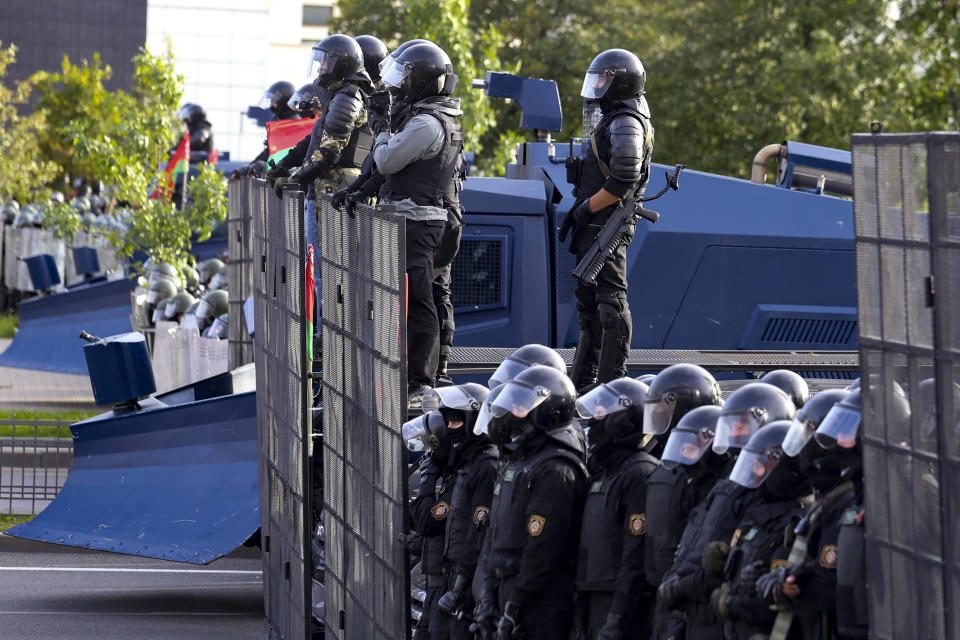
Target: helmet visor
798,436
266,100
204,310
189,321
386,63
218,281
171,311
753,467
686,447
482,425
657,414
595,85
157,315
518,399
396,74
157,276
217,330
601,402
155,295
734,431
414,432
507,371
450,398
839,428
321,63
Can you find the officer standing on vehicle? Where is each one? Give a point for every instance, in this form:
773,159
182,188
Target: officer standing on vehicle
429,511
419,163
614,600
528,555
475,460
615,169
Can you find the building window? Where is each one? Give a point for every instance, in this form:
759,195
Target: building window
316,16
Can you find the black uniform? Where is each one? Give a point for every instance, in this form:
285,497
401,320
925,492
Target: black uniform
201,135
429,512
530,548
620,165
853,616
714,519
611,576
468,520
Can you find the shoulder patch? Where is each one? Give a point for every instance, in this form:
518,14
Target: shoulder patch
736,538
849,517
779,562
638,524
535,525
751,534
508,476
596,486
828,556
481,515
440,510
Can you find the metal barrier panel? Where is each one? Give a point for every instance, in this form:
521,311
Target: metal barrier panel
282,424
364,404
907,223
35,457
239,268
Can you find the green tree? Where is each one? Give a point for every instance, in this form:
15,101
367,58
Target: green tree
933,30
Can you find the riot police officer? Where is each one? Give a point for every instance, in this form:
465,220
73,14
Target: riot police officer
474,459
277,99
307,101
522,359
614,600
374,51
615,169
429,511
791,383
199,129
529,551
419,163
698,564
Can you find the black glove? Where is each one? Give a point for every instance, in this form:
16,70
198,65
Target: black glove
509,625
714,557
278,186
452,600
612,628
580,212
378,111
749,575
669,592
353,200
307,172
768,584
339,197
275,172
486,615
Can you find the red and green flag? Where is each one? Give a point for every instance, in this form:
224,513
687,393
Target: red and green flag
179,163
283,135
311,298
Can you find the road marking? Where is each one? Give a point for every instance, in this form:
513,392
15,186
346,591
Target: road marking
119,570
126,613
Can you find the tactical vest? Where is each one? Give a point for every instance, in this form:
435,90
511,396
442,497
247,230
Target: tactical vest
602,531
432,558
508,525
714,519
592,176
429,181
463,516
852,610
360,143
666,517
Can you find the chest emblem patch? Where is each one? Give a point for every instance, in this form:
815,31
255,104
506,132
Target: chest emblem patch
481,515
535,525
828,556
638,524
440,510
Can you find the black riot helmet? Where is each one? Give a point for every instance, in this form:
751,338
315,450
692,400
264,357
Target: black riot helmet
615,74
807,420
692,437
539,399
389,60
333,59
193,115
647,378
790,383
421,71
762,462
613,412
459,405
374,51
675,391
276,97
524,358
305,100
426,432
746,410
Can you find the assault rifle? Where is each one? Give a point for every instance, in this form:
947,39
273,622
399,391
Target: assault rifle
616,230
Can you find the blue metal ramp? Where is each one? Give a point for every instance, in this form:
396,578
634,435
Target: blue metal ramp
48,337
172,482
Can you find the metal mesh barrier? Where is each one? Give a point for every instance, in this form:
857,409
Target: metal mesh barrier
364,406
282,424
476,273
907,223
240,268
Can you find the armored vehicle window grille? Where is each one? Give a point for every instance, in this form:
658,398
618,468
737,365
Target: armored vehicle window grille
808,331
477,274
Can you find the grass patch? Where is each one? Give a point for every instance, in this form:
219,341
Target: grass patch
8,324
6,522
26,427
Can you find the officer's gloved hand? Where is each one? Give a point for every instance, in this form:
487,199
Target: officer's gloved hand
509,625
278,186
339,197
275,172
580,212
720,601
486,615
714,557
768,584
749,575
378,111
353,200
452,600
668,594
612,628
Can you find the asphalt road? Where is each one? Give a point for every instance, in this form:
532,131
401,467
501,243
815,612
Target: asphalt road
50,592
